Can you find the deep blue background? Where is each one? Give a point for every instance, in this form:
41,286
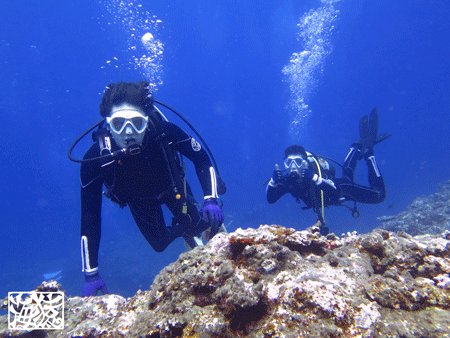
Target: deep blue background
222,70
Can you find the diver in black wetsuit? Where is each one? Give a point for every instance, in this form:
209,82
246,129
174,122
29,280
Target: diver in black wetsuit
311,178
142,170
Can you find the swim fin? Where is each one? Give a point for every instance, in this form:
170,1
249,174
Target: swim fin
382,137
368,129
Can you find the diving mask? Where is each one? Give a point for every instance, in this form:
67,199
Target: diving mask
295,162
123,117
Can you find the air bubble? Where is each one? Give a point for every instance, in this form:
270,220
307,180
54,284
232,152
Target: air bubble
304,68
141,32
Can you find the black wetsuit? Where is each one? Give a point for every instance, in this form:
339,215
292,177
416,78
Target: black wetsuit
346,189
143,182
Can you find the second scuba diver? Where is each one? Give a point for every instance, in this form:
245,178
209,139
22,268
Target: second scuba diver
311,178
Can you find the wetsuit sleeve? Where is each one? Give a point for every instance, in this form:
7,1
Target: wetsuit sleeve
189,147
275,191
91,205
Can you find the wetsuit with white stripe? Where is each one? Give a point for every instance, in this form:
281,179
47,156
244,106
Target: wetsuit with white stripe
345,189
144,183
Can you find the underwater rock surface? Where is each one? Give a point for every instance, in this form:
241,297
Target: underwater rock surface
278,282
425,215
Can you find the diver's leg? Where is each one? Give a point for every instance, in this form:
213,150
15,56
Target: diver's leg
359,193
188,223
149,218
376,180
374,194
351,160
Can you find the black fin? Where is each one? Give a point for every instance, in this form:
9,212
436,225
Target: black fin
382,137
363,129
368,129
373,126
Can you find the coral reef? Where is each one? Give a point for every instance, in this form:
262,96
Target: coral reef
425,215
278,282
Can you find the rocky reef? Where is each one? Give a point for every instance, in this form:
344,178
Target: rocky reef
425,215
278,282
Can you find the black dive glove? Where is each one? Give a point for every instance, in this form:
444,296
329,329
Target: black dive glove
277,176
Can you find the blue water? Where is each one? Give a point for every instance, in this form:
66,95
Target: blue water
253,77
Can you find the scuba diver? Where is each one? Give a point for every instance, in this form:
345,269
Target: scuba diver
311,179
138,157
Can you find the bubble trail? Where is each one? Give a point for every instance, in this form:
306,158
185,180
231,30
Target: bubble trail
144,50
304,68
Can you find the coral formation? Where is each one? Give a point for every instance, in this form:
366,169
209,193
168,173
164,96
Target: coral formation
425,215
278,282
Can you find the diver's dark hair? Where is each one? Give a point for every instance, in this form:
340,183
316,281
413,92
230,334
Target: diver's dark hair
295,149
136,93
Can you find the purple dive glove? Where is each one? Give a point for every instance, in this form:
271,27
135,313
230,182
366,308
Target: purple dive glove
212,211
212,214
92,284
